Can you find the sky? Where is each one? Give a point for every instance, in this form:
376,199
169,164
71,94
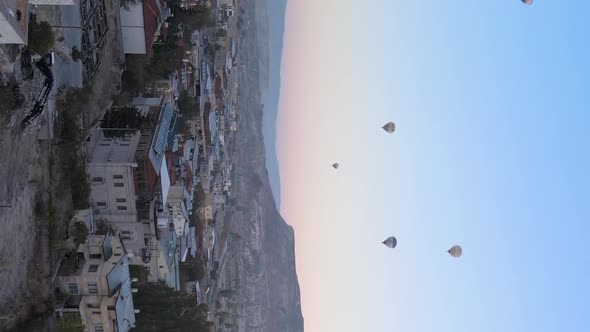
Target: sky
491,103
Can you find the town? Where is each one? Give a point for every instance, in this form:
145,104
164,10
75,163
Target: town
134,106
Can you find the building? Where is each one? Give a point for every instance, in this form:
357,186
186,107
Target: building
98,285
111,168
140,24
168,258
177,208
14,21
152,146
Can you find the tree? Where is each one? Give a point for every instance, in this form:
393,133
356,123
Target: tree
121,121
167,58
122,99
40,37
70,322
80,233
136,76
139,272
163,308
76,54
103,228
193,19
127,4
10,99
221,33
186,104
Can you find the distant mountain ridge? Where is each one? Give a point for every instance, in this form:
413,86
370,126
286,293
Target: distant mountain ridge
276,27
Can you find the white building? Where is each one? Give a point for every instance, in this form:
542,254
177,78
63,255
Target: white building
111,164
140,25
99,285
177,208
14,21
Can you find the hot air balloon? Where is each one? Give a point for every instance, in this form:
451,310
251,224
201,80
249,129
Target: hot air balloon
390,242
389,127
455,251
527,2
335,165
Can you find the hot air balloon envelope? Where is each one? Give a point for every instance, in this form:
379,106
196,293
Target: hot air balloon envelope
390,242
455,251
527,2
389,127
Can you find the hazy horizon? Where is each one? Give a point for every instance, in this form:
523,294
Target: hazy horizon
276,15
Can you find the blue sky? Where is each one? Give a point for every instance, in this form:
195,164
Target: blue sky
491,102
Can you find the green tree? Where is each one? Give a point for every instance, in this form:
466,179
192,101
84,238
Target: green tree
187,104
10,99
70,322
40,37
139,272
221,33
71,136
136,76
76,54
103,228
79,183
194,268
122,121
80,233
193,19
165,309
167,58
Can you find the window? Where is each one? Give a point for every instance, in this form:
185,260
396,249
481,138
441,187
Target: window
73,288
111,308
105,144
92,288
95,256
118,176
93,268
98,328
121,208
119,184
96,312
124,144
97,179
101,204
121,200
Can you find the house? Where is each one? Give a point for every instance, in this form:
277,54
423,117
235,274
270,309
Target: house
152,146
111,168
168,259
14,21
97,285
140,24
177,208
